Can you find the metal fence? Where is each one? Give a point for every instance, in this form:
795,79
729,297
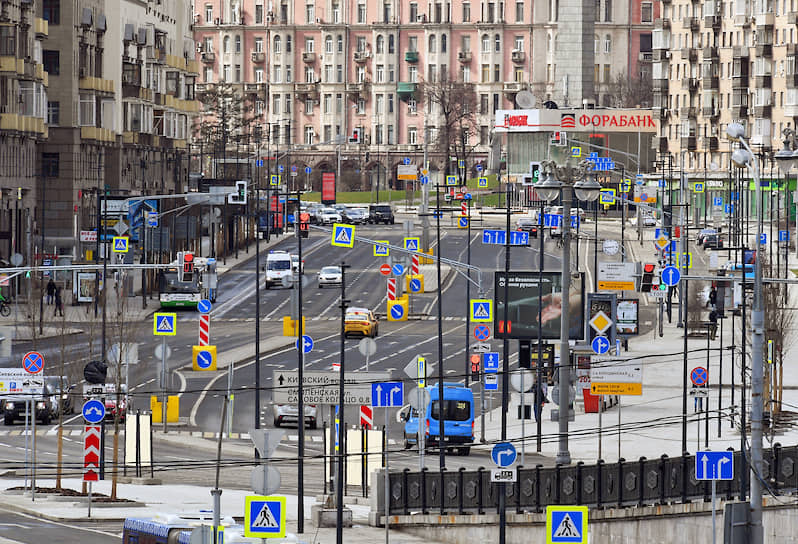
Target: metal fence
643,482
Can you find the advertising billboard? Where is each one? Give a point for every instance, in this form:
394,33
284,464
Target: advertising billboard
328,188
535,305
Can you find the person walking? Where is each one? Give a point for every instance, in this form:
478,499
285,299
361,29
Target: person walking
540,398
59,303
713,324
50,291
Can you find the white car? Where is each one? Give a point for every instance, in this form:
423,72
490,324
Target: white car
328,216
329,276
287,413
296,266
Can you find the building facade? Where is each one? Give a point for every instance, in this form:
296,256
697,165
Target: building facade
314,73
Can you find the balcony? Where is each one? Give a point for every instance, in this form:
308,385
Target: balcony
691,23
742,20
258,57
709,143
358,90
740,52
712,21
710,53
96,84
660,86
710,82
362,56
208,57
254,87
764,50
41,27
765,19
659,144
660,55
518,56
411,56
687,111
739,111
792,81
792,18
690,84
464,57
97,133
791,110
661,113
763,111
309,90
308,57
406,90
688,143
661,24
763,81
645,56
513,87
710,111
689,54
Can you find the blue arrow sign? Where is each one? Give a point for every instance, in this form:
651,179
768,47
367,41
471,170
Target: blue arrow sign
307,344
714,465
490,361
467,196
204,359
259,162
600,345
503,454
464,222
308,170
387,394
424,180
397,311
204,306
398,269
280,169
661,183
93,411
671,276
479,168
415,285
406,161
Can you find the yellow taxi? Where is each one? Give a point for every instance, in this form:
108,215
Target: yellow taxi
360,321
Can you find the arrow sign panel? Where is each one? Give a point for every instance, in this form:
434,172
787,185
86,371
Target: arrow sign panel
91,453
714,465
387,394
93,411
503,454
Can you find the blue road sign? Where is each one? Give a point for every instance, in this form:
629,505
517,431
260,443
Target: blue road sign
398,269
600,345
639,179
661,183
343,235
463,222
479,168
293,167
280,169
551,220
307,344
204,359
566,524
406,161
415,285
289,218
33,362
503,454
467,196
699,376
490,361
698,187
387,394
308,169
499,237
481,310
482,182
264,517
93,411
717,201
424,180
204,306
120,244
481,332
152,219
574,221
671,276
411,244
461,163
491,382
397,311
164,324
259,162
784,235
763,238
714,465
451,180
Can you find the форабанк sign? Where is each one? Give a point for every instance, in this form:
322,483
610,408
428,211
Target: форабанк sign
575,121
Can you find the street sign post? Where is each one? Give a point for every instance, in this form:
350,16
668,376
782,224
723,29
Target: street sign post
93,411
503,454
714,465
600,345
671,276
322,387
566,524
307,344
264,517
490,362
387,394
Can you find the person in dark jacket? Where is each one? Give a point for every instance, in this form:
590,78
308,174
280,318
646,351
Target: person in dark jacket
59,303
50,291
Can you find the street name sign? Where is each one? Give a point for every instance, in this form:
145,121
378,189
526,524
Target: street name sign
616,276
322,387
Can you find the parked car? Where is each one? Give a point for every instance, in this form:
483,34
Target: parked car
527,224
288,413
355,216
649,220
328,216
703,233
458,419
360,321
329,276
380,213
47,406
713,241
111,407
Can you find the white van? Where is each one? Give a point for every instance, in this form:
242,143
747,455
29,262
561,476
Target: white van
278,266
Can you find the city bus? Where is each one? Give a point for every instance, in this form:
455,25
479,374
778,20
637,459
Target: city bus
179,287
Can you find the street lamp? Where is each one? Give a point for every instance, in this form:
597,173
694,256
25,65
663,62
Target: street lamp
556,179
743,157
787,158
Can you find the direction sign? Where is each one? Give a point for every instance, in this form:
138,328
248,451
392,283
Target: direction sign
415,285
397,312
482,182
699,376
398,269
120,244
387,394
343,235
308,169
499,237
462,222
784,235
714,465
91,453
406,161
717,201
482,332
566,524
385,269
264,517
164,324
411,243
600,345
204,306
614,372
321,387
204,359
490,361
491,382
763,238
616,388
33,362
152,219
616,276
307,344
503,454
381,248
481,309
93,411
670,276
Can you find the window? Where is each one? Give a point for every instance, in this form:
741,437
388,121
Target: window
336,10
443,43
361,74
208,76
278,73
595,44
258,75
308,135
412,135
378,134
465,74
386,13
380,74
327,103
310,45
607,10
278,45
412,43
87,112
484,135
51,11
390,103
431,73
310,14
258,14
288,101
413,74
485,78
51,61
519,75
390,44
259,106
328,44
308,106
227,73
339,73
208,13
498,43
380,103
310,77
607,73
360,44
288,74
327,133
361,106
340,43
53,113
226,45
485,43
646,12
259,45
497,73
519,43
391,73
413,12
607,44
238,44
238,73
412,106
465,43
361,14
432,47
50,164
380,44
207,44
288,44
390,135
328,73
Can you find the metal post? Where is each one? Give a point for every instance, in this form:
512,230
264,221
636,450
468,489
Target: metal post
257,294
539,362
300,369
441,426
163,382
505,361
563,455
387,494
339,491
468,296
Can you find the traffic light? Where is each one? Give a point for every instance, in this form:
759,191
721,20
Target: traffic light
241,191
185,266
534,169
355,137
524,354
304,224
476,365
648,277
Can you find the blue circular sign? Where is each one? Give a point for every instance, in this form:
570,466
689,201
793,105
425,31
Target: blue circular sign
293,167
424,180
204,359
467,196
33,362
307,170
699,376
670,276
481,332
479,168
503,454
397,311
307,344
415,285
398,269
93,411
280,168
204,306
600,345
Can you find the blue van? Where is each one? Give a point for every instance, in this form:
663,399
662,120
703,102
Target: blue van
458,419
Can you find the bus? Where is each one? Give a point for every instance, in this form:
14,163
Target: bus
181,288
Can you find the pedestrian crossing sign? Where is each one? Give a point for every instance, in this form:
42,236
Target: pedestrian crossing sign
626,185
481,309
164,324
451,180
381,248
264,517
120,244
274,179
566,524
698,187
482,182
343,235
607,196
411,244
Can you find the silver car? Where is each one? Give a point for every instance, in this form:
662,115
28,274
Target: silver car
329,276
287,413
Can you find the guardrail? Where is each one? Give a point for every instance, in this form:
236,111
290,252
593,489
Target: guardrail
644,482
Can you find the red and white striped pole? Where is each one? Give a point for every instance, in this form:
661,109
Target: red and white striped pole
464,207
391,288
204,329
414,267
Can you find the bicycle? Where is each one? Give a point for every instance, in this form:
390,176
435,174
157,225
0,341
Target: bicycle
5,309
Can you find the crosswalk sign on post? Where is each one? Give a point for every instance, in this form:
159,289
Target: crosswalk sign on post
274,180
482,182
451,180
411,244
343,235
164,324
566,524
698,187
481,309
381,248
264,517
120,244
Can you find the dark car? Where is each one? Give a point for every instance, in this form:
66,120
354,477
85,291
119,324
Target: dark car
354,216
713,241
379,213
527,224
703,235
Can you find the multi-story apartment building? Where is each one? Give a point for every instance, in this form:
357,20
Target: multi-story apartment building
315,70
23,94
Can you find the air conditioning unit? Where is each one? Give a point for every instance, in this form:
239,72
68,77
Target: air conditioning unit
318,20
199,48
420,18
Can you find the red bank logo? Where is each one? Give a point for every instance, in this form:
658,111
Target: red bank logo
568,120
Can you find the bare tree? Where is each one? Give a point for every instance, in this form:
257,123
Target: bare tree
630,91
780,322
454,104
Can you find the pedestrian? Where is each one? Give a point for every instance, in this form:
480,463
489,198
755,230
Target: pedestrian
59,303
50,291
713,324
540,398
713,297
